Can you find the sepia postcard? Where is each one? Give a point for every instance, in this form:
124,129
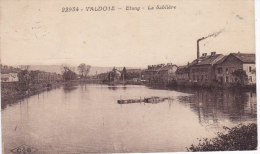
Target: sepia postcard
128,76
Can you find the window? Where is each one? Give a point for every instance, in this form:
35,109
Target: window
219,70
250,79
227,79
206,77
201,77
194,78
226,70
250,69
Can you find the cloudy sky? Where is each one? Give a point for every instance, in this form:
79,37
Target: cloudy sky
37,32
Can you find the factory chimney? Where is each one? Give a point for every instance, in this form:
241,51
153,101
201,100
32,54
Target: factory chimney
203,38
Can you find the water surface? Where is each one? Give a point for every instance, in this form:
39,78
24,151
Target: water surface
87,118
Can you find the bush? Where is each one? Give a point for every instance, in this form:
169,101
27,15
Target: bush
241,137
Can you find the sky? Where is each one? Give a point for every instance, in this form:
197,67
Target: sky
37,32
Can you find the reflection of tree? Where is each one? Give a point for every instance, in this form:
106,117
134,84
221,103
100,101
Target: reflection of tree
112,88
69,87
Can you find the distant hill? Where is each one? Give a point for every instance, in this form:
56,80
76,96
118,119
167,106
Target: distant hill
58,68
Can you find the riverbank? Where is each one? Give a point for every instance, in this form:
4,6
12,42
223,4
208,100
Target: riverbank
14,91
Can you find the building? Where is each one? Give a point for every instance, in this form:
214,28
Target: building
182,74
9,77
132,74
44,77
236,68
201,70
161,74
114,75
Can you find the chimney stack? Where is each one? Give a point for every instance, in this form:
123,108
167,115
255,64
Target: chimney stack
204,54
198,50
213,53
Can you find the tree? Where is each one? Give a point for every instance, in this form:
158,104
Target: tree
67,73
124,74
25,78
84,69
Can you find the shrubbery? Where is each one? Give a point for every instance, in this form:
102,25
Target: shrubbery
241,137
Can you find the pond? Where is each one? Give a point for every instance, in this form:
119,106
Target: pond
87,118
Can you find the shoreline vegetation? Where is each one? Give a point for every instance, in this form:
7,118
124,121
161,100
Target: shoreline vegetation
240,137
15,91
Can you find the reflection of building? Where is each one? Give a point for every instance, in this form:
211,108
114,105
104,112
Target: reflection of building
221,105
233,62
160,74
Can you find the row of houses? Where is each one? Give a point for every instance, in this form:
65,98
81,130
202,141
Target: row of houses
206,70
161,74
48,77
118,76
35,76
217,69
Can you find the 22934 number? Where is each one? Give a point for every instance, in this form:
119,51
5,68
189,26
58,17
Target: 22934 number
69,9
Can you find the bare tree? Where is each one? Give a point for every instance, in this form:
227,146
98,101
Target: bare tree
84,69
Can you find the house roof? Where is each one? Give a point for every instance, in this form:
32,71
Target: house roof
157,68
182,69
133,70
221,60
166,68
245,57
7,71
210,60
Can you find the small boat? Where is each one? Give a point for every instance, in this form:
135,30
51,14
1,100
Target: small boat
129,101
145,100
154,100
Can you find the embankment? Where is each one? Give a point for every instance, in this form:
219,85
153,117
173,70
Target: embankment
11,92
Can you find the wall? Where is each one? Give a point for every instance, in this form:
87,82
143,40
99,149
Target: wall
229,65
202,74
250,73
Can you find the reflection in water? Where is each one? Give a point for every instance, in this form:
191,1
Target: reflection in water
69,87
111,87
213,105
87,118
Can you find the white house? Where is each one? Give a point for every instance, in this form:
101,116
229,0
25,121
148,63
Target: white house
9,77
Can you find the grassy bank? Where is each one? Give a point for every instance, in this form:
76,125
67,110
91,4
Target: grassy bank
12,92
241,137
